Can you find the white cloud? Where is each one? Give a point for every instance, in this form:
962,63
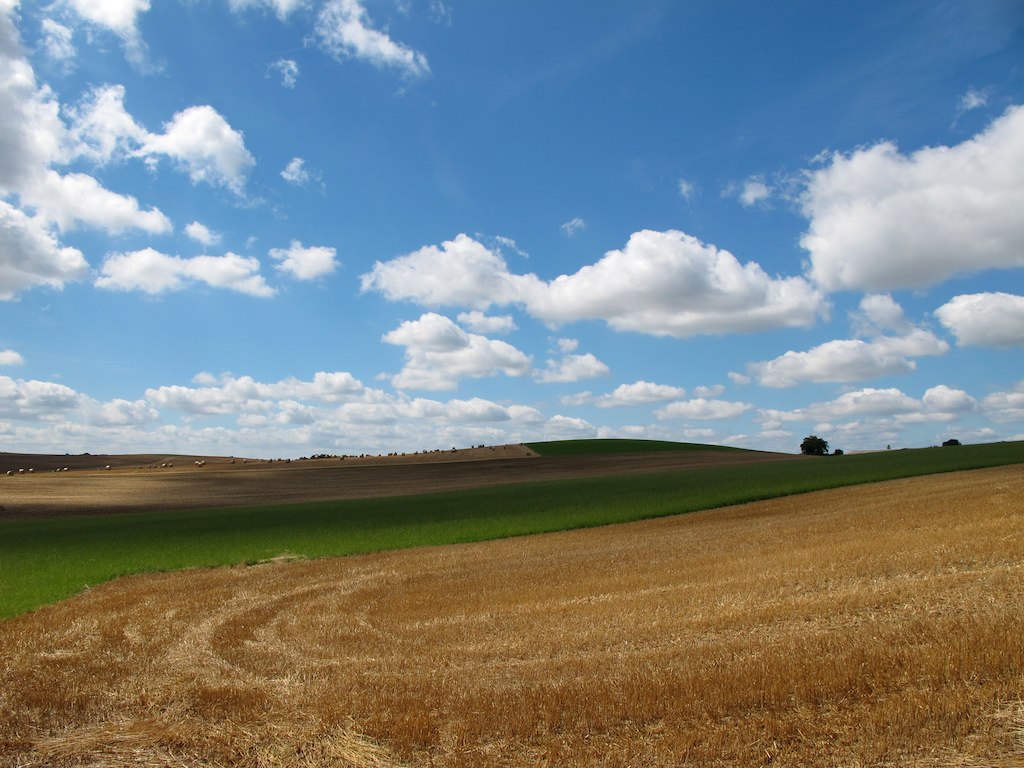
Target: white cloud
461,272
481,323
297,173
283,8
119,17
687,190
10,357
943,399
703,409
572,368
573,226
671,284
344,30
568,428
201,234
881,220
878,313
754,190
57,41
236,395
866,402
985,319
202,142
32,135
712,391
661,283
847,360
153,272
640,393
1006,406
305,263
973,99
102,128
288,69
119,413
30,255
35,400
438,354
77,198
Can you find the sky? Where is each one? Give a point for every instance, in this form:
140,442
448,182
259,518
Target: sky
278,228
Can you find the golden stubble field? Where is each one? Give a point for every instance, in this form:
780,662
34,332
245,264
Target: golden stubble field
880,625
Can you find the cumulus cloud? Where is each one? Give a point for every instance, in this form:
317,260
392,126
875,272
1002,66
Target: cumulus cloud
288,69
847,360
344,29
640,393
152,272
753,191
202,142
703,409
939,404
1006,406
119,413
568,428
229,394
879,313
459,272
295,172
973,99
481,323
102,127
198,139
282,8
10,357
572,368
661,283
57,41
985,319
880,220
573,226
671,284
35,400
117,16
76,198
438,353
305,263
201,234
31,256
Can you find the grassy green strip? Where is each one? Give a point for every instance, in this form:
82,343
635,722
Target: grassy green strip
45,560
612,446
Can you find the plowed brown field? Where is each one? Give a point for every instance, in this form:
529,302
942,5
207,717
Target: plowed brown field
132,485
880,625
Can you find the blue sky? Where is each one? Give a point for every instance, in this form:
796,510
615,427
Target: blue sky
285,227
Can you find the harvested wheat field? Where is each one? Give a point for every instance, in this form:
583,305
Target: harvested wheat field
879,625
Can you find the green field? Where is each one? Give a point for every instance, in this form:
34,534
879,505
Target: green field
47,559
613,446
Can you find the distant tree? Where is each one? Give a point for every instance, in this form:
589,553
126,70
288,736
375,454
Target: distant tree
837,452
814,446
950,442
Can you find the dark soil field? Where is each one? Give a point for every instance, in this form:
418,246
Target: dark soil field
141,482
